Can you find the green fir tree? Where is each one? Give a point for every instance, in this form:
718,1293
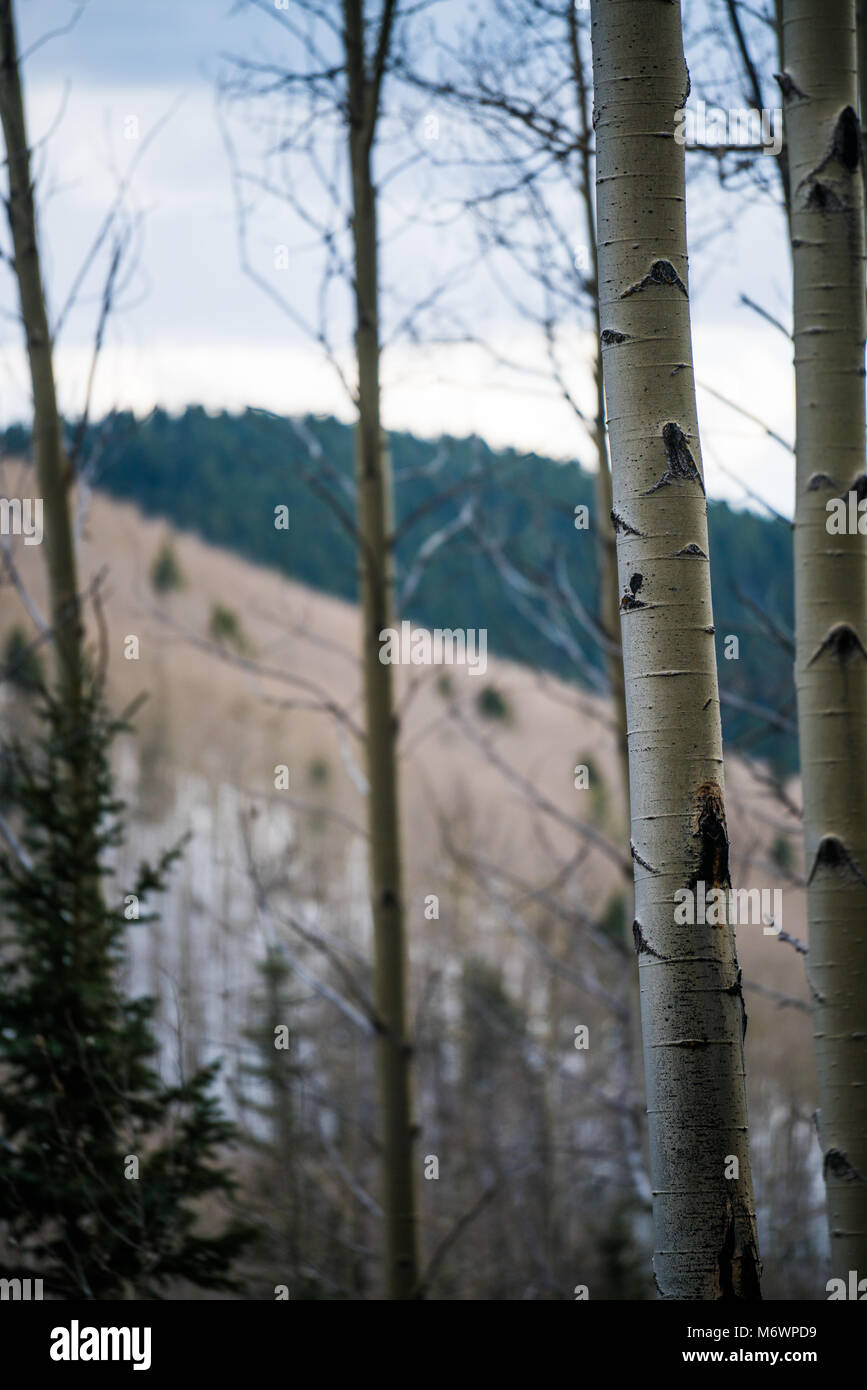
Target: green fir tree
103,1166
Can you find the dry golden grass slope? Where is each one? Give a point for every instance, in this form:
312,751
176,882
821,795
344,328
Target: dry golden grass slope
211,717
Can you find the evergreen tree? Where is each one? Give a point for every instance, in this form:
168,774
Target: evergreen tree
20,664
166,572
273,1074
101,1162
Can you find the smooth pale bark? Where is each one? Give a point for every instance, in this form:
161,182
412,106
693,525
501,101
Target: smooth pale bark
373,471
52,469
691,1004
830,318
862,56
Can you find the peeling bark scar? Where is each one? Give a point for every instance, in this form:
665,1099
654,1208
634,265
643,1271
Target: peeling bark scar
660,273
709,828
842,642
737,990
681,464
837,1165
833,855
738,1268
630,601
640,940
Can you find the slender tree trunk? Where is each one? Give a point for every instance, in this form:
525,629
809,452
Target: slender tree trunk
691,1004
53,477
862,56
52,470
374,524
830,315
861,22
609,618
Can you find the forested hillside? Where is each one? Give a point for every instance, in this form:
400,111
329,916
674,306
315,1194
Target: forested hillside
222,476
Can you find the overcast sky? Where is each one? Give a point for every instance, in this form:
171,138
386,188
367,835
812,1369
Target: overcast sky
191,326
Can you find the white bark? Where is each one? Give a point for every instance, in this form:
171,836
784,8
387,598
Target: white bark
691,1003
820,87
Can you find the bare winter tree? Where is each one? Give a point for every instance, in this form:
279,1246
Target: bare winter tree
338,89
522,91
366,47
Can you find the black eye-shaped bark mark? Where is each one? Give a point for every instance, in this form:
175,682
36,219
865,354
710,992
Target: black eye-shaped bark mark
820,480
836,1165
710,830
630,600
642,946
822,198
846,144
859,487
681,464
844,149
661,273
833,857
610,336
692,549
789,87
622,527
638,859
842,642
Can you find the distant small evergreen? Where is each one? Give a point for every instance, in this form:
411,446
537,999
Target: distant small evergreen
166,573
224,626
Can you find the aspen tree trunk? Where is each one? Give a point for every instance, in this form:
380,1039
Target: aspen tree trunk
862,56
830,317
52,470
374,523
692,1011
609,618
